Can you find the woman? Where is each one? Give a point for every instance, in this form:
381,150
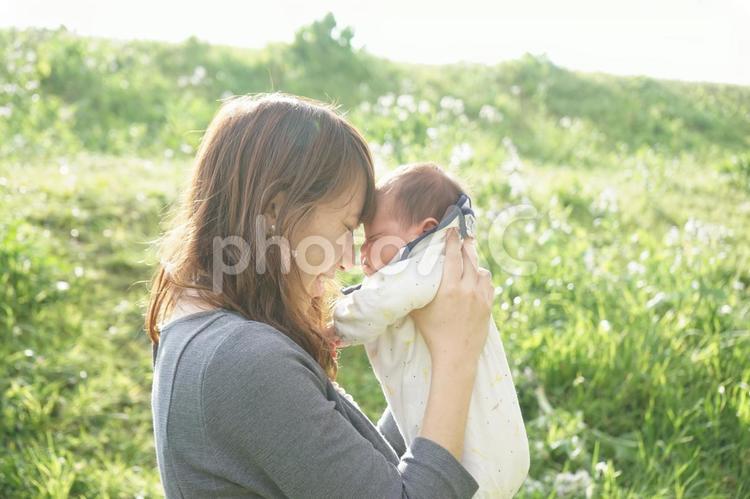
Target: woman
244,400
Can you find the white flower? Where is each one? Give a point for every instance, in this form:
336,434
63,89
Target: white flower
705,232
532,486
517,184
386,101
461,154
601,467
636,268
452,104
606,202
490,114
198,75
673,236
407,102
567,484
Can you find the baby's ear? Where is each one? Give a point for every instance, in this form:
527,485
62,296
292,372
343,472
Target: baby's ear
427,224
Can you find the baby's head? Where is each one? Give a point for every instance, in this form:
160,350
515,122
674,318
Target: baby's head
410,200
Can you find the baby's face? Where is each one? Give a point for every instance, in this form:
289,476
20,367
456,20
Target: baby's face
384,236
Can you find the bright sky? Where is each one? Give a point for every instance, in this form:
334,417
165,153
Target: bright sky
680,39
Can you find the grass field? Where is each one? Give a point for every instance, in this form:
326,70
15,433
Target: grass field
628,330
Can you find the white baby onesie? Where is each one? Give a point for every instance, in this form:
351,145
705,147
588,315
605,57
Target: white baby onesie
496,451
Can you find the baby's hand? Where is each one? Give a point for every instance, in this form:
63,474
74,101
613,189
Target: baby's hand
334,340
330,332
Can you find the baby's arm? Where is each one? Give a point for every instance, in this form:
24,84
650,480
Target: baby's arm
385,298
365,313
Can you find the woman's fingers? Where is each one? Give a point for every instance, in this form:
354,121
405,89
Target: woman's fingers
485,285
452,269
470,247
469,256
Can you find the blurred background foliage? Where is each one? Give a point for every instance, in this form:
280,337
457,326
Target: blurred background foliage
629,340
146,97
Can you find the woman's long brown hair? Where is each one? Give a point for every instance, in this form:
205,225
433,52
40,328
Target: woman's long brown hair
255,148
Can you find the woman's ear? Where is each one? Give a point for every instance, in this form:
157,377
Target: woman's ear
274,207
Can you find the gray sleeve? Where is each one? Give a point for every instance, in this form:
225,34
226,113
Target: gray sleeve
264,404
387,426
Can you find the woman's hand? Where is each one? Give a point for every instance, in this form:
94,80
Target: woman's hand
455,323
455,326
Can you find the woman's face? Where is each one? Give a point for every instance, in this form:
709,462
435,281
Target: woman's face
325,243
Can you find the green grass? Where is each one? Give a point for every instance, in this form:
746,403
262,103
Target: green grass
653,402
76,374
628,335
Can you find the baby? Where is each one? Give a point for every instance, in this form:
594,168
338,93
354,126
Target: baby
403,259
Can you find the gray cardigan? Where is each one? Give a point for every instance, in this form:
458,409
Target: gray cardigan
241,410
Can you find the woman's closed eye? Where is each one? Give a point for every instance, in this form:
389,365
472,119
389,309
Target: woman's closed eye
372,238
351,226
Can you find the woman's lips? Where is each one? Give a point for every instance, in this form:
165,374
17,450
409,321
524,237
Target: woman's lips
319,283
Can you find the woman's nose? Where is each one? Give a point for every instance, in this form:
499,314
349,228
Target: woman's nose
347,258
346,264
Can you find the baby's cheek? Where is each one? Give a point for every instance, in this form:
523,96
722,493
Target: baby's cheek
388,253
384,249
